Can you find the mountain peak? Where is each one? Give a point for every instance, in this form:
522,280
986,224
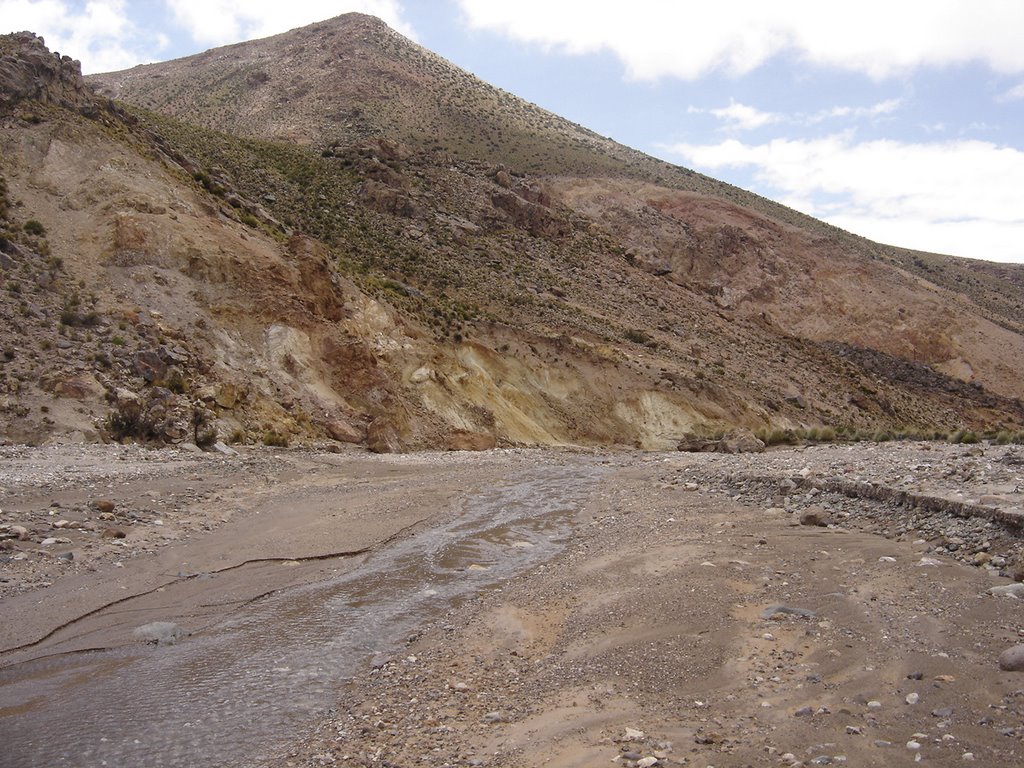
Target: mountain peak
336,231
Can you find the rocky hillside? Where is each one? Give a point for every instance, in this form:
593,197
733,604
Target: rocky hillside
336,234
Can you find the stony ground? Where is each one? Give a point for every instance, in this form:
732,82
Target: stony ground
66,510
694,621
708,610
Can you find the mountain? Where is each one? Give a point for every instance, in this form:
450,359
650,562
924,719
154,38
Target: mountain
336,232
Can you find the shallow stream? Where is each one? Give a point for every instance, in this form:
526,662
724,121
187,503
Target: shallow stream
249,683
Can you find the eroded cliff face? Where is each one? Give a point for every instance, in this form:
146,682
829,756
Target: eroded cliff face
808,286
164,282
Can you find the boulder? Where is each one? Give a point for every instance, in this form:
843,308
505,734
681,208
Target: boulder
383,437
737,441
149,365
694,444
741,441
421,374
75,389
227,396
343,432
124,396
1012,659
814,516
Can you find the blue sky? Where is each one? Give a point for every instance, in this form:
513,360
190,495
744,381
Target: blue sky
898,120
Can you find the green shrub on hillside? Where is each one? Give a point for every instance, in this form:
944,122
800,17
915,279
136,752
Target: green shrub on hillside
33,227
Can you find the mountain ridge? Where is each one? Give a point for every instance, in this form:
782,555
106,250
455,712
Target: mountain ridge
402,295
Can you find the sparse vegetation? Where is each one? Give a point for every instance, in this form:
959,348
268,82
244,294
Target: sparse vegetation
966,436
275,439
34,228
129,420
204,434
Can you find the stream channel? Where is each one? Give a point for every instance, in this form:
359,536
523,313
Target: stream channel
251,681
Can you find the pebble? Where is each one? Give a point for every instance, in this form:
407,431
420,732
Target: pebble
913,698
874,704
913,745
775,610
160,632
647,762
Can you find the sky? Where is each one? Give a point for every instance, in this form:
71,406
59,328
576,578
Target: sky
899,120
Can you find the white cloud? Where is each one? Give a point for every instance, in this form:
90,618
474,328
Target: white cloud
886,107
218,22
1013,94
958,197
98,32
103,37
744,117
688,39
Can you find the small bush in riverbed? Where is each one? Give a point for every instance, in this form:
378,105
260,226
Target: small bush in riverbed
964,436
777,436
275,439
821,434
129,420
1006,437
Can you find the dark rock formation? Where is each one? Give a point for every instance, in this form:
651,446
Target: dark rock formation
28,70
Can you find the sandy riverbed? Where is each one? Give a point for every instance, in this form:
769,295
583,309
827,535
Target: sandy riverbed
648,640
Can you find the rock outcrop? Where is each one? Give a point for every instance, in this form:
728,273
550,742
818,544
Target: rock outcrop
28,70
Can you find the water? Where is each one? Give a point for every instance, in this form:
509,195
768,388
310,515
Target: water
255,678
